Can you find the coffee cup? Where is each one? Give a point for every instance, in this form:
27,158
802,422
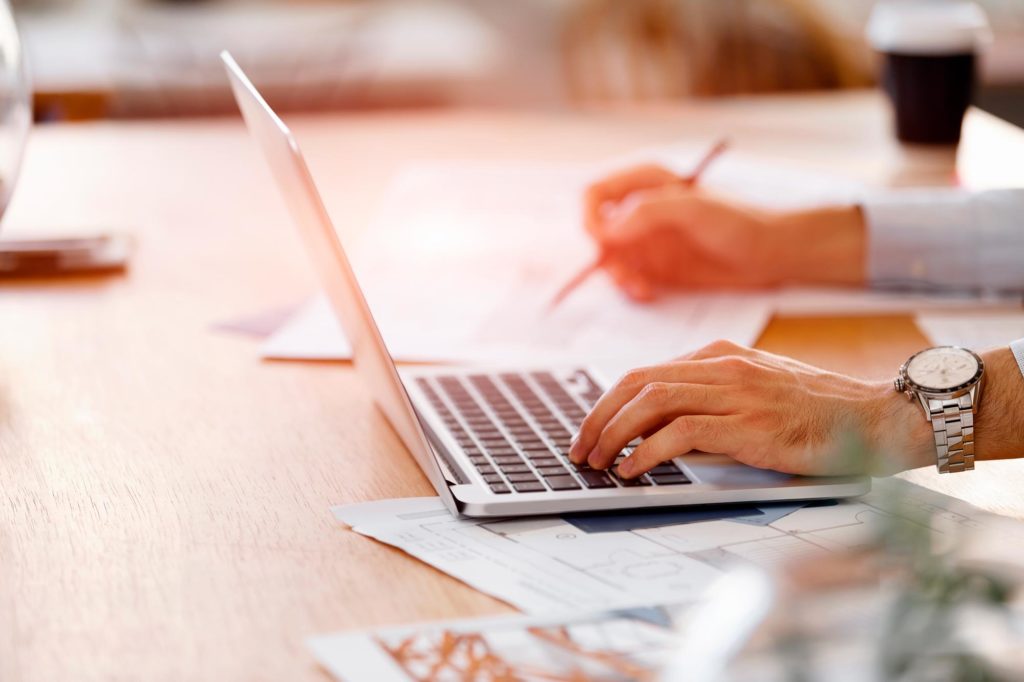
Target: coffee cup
929,52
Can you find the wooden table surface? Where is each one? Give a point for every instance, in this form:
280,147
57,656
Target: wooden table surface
164,493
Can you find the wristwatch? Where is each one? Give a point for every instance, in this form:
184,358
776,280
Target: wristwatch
947,381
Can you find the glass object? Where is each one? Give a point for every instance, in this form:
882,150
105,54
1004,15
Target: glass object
15,103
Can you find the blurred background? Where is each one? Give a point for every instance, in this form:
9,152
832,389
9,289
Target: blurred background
157,58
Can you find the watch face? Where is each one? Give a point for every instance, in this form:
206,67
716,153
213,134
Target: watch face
943,369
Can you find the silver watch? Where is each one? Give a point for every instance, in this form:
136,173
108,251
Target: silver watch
947,381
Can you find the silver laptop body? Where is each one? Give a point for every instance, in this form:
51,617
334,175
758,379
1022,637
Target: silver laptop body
493,442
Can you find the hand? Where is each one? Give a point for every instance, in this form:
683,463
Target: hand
761,409
658,234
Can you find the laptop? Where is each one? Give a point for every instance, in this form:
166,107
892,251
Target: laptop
495,442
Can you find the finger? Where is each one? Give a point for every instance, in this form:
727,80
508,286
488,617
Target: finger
655,404
616,187
644,212
682,435
626,388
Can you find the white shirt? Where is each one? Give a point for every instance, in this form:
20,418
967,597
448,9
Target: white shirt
947,239
1017,347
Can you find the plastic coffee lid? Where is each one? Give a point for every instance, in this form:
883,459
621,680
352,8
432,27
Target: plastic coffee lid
928,27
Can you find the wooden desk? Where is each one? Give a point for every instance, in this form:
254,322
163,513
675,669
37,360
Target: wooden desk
165,494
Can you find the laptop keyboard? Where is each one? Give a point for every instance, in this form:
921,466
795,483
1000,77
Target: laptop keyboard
516,428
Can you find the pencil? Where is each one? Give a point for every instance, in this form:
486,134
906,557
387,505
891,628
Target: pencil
598,263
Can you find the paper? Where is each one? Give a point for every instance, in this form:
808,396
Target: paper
257,325
976,331
546,564
611,645
311,333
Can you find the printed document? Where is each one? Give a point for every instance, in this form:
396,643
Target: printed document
547,564
609,645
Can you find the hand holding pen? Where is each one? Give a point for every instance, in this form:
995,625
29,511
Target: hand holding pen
655,184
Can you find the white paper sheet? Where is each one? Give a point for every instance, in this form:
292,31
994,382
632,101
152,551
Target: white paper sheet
546,564
608,645
464,258
976,331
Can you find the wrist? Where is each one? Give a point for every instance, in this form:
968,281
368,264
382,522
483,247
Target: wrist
898,434
819,246
998,427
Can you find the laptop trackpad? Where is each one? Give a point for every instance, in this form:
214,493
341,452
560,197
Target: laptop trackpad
725,472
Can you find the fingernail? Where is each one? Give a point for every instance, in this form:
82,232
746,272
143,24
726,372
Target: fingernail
626,469
592,458
574,452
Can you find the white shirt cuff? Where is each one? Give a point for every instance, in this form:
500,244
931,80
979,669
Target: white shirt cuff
921,238
946,239
1018,352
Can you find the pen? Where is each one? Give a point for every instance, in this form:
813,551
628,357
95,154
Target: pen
687,181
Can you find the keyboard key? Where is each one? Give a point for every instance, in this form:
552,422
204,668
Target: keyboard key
552,470
507,459
493,478
485,469
592,478
499,488
562,482
529,487
478,459
522,477
543,459
503,451
514,468
665,468
633,482
670,479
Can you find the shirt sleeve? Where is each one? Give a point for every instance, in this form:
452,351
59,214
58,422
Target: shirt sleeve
1018,352
946,239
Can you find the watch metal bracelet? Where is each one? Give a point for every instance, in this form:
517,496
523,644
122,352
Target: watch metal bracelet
953,424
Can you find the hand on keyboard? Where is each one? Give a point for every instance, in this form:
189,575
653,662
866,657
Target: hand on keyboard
761,409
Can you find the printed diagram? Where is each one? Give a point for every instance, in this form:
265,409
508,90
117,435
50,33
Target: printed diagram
548,564
608,646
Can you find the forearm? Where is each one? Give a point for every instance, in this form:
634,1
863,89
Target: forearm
820,246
